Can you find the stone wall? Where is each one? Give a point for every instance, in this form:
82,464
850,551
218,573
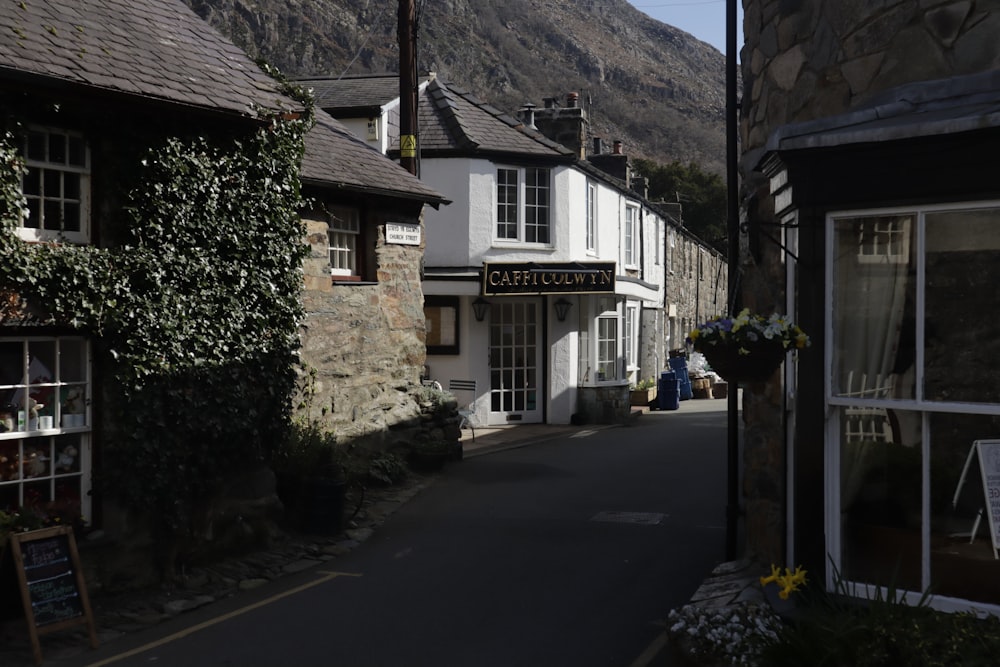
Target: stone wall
808,59
364,345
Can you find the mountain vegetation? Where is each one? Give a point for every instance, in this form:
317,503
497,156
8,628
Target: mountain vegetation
654,87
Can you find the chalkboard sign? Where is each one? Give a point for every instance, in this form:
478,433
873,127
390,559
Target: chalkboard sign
53,590
989,464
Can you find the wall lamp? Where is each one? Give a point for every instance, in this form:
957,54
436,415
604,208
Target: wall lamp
479,308
562,308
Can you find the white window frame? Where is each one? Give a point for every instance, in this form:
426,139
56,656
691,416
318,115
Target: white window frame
520,195
591,231
631,236
608,341
70,419
844,402
343,234
631,339
50,177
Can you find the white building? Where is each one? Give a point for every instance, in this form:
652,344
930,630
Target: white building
544,278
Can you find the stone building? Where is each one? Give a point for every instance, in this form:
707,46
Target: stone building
871,214
363,338
82,107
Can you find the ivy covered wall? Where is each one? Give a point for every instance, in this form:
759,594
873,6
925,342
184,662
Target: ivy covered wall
189,291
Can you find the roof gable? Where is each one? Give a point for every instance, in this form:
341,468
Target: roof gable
452,119
156,49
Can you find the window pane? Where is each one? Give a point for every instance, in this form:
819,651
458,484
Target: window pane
33,182
962,557
52,183
961,331
36,146
880,496
77,152
874,307
52,214
71,217
507,205
11,363
72,360
57,148
34,216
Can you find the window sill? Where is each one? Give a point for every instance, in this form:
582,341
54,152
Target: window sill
352,280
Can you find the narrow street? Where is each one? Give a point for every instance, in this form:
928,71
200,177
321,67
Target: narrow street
564,552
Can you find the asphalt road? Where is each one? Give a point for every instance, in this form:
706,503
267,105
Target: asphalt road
568,552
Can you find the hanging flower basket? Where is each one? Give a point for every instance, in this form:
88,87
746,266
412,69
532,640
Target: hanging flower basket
748,347
744,363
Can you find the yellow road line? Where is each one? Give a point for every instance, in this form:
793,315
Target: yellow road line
327,576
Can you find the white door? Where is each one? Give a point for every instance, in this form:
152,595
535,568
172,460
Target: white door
515,341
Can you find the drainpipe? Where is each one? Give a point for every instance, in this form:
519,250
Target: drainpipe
733,229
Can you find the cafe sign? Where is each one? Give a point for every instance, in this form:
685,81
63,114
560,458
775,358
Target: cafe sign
552,278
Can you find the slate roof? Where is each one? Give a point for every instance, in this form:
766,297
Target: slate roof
157,49
921,109
452,120
333,156
346,94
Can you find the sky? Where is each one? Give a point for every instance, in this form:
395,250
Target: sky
705,19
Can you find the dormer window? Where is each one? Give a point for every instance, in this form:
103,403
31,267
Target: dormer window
56,187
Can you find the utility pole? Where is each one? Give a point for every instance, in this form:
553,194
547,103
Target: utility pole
407,86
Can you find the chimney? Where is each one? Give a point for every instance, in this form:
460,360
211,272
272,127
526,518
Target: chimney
565,125
598,146
528,115
640,186
614,163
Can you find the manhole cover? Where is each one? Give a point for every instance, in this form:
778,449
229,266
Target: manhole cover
645,518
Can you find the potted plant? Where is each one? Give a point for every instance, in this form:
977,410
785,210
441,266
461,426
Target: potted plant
642,393
748,347
311,478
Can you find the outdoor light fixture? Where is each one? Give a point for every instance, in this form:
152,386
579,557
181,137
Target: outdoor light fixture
479,308
562,308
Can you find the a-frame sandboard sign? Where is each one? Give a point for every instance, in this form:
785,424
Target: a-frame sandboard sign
53,589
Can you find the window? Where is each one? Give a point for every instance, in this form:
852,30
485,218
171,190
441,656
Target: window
44,423
507,204
631,236
441,322
607,348
631,342
344,230
56,186
523,205
913,386
591,217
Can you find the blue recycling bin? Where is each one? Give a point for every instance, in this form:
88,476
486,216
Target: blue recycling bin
680,366
668,391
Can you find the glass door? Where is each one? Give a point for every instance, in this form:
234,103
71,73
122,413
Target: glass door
515,337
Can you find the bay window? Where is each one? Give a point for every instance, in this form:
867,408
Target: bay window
912,294
45,391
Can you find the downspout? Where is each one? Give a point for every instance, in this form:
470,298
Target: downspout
733,229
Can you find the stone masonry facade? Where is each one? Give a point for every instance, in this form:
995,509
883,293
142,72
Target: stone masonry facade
365,346
803,60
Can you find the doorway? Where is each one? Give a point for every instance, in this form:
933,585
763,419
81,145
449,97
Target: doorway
515,341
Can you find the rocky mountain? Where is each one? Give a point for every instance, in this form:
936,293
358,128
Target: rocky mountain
654,87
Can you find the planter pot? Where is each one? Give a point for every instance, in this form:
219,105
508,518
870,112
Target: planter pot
641,397
763,359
